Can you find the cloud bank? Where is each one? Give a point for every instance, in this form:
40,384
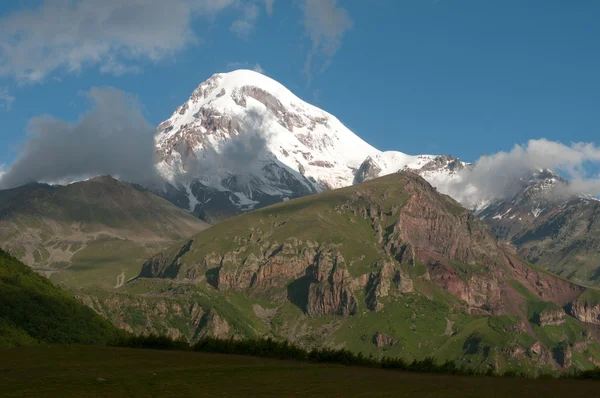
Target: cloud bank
239,156
71,34
113,138
116,35
501,176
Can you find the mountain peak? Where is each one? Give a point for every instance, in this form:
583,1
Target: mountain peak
245,127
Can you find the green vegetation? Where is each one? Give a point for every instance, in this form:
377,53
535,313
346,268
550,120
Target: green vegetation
32,310
365,272
319,218
590,296
72,371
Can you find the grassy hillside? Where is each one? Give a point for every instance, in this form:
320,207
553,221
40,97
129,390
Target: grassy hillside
92,233
70,371
388,268
32,311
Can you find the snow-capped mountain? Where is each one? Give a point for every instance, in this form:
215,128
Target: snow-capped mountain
536,195
243,141
549,225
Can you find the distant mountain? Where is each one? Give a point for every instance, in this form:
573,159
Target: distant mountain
32,311
385,267
91,232
547,226
243,141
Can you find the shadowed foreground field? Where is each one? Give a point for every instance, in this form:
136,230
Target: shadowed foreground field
120,372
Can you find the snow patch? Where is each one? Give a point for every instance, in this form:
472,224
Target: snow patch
536,211
192,198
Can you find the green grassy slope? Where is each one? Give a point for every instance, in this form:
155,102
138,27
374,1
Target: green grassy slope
71,371
32,311
422,271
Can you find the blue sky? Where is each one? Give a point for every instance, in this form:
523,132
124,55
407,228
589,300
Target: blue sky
419,76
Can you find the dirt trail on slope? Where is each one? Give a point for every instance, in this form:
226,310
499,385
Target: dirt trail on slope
448,331
120,280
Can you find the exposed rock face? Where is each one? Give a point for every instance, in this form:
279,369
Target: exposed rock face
158,315
479,291
541,354
165,263
594,361
367,171
444,161
437,230
330,291
585,312
332,296
515,352
545,286
582,346
388,280
384,340
564,356
212,325
552,318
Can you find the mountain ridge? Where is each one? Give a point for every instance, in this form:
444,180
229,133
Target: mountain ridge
390,258
96,227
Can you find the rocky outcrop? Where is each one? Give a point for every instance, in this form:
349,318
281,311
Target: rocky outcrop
594,361
551,318
213,325
384,340
444,162
585,312
330,291
540,354
367,171
479,291
563,355
439,229
545,286
165,264
388,280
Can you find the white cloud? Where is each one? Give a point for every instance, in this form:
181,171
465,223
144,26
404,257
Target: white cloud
6,99
501,175
112,138
245,25
258,68
70,34
269,6
326,24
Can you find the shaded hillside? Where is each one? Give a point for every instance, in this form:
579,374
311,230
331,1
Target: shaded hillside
386,267
32,311
98,230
